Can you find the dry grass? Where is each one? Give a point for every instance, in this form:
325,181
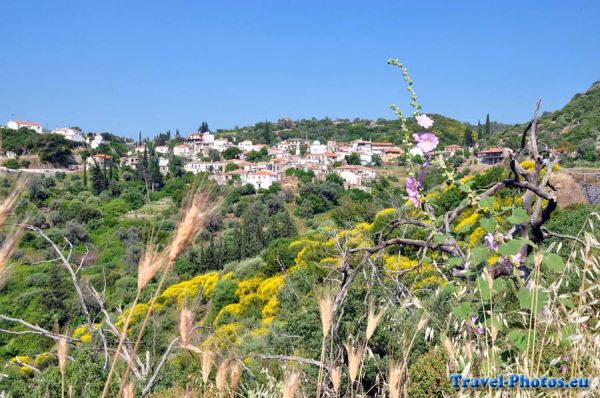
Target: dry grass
373,319
568,191
207,362
186,322
61,352
336,378
221,377
355,355
291,384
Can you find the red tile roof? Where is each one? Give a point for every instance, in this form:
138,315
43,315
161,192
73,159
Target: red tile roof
26,123
492,151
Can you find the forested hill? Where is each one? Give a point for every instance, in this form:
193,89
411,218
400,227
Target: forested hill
449,130
575,128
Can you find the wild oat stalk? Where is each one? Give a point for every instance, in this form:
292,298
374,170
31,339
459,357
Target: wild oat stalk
394,379
199,207
325,299
61,352
336,378
355,355
290,384
221,377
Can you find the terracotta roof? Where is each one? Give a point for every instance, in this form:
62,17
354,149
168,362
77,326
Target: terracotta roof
493,150
264,173
382,143
393,150
452,146
26,123
102,156
236,172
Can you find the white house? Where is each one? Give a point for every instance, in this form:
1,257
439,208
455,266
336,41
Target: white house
96,141
316,147
70,133
162,149
182,150
355,176
262,179
245,146
196,167
221,144
163,165
17,124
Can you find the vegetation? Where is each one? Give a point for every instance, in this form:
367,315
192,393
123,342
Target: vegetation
306,286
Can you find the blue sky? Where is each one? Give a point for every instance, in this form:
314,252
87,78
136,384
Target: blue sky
126,66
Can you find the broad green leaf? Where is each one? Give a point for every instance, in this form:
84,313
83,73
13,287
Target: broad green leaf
495,321
486,203
462,311
518,339
454,261
439,238
489,224
554,262
484,287
526,299
519,216
479,254
466,187
465,228
449,288
566,302
510,248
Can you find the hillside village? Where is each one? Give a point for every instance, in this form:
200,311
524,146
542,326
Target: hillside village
248,162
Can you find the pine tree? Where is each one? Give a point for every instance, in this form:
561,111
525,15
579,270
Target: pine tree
488,126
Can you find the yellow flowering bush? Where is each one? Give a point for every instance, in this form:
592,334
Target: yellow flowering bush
189,290
465,221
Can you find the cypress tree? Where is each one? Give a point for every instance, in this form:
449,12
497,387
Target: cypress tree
468,137
479,130
98,179
488,126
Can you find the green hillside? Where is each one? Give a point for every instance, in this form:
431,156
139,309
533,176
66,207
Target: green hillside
450,131
575,128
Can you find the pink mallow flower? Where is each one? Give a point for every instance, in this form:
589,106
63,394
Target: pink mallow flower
424,121
412,189
427,142
492,243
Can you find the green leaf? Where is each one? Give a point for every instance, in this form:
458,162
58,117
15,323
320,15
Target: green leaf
479,254
454,261
449,288
486,203
554,262
495,321
518,339
526,300
489,224
462,311
466,187
519,216
510,248
439,238
484,287
566,302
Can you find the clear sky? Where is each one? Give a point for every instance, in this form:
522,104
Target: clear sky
125,66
